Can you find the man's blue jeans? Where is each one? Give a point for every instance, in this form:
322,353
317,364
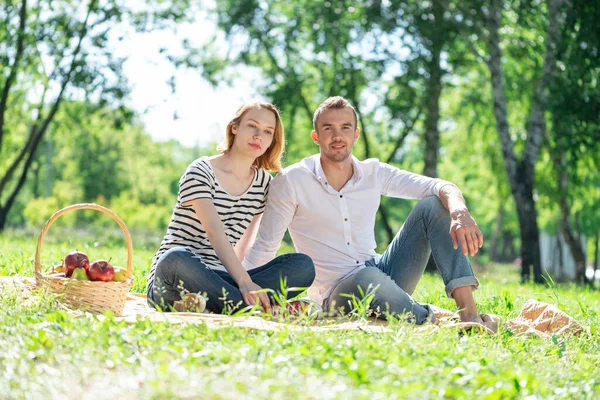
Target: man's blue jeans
425,231
179,268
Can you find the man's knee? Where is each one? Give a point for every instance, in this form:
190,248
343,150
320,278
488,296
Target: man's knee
431,205
373,280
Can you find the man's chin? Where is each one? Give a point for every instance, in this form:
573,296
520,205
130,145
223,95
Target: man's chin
337,157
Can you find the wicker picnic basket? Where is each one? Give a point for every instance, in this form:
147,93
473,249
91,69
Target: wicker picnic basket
95,297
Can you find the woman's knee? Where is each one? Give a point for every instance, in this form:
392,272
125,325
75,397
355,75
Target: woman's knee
175,255
306,264
172,259
179,264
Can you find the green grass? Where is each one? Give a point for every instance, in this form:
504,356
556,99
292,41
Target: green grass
48,353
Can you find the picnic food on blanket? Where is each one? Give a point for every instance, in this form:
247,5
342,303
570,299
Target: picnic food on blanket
94,291
101,270
191,302
297,308
76,265
58,269
74,260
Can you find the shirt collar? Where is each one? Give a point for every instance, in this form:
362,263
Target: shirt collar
320,174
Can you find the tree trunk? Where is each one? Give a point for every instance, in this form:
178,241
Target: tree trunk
557,154
561,260
382,211
38,131
570,238
509,254
14,68
595,258
530,236
3,216
521,175
36,179
434,89
496,235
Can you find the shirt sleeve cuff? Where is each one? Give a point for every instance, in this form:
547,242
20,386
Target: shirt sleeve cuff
440,184
248,265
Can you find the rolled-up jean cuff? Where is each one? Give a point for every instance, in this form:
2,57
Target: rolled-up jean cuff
460,282
430,315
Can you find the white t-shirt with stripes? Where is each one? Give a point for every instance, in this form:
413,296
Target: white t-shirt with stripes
236,212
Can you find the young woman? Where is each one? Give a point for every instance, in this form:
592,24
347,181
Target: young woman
214,223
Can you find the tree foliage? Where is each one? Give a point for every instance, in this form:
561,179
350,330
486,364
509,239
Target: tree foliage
500,97
52,51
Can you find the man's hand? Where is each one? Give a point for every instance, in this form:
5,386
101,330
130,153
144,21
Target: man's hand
464,230
252,295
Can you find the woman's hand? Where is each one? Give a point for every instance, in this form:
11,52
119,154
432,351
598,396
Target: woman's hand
252,295
208,216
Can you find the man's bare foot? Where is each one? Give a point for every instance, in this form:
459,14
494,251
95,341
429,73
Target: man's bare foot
464,317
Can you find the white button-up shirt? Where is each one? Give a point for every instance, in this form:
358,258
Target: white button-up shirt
335,228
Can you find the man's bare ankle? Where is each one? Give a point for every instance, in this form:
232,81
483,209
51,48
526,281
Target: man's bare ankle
470,317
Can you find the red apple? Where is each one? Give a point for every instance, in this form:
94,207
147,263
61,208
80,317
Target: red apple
101,270
74,260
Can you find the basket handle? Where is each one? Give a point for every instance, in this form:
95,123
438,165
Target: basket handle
85,206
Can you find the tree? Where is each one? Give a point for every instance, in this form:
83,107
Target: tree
307,50
521,172
51,51
428,30
574,133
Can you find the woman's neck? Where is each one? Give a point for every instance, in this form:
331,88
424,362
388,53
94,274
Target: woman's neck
233,163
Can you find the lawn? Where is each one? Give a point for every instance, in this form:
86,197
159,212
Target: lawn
46,352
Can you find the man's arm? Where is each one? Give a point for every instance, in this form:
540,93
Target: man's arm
243,245
463,228
408,185
279,211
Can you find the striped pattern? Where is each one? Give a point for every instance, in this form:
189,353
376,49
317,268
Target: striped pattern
236,212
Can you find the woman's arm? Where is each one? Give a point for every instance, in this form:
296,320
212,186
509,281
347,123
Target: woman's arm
207,213
243,246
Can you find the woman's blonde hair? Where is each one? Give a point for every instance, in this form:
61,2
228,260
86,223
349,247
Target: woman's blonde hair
271,159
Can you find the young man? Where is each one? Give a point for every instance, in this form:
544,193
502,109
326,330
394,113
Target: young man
329,203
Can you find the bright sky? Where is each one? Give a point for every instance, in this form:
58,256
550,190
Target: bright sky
197,113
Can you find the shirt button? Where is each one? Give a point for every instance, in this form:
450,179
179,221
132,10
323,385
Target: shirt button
345,219
341,196
348,243
357,261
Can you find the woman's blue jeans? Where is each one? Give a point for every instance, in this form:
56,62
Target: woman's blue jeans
179,270
425,231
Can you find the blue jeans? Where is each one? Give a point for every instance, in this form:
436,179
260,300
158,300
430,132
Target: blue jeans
425,231
180,268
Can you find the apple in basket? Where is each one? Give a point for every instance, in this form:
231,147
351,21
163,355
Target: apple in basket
101,270
74,260
120,274
80,274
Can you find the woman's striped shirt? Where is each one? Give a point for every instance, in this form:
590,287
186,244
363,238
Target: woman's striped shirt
236,212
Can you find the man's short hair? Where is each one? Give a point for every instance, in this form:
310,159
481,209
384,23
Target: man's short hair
336,103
